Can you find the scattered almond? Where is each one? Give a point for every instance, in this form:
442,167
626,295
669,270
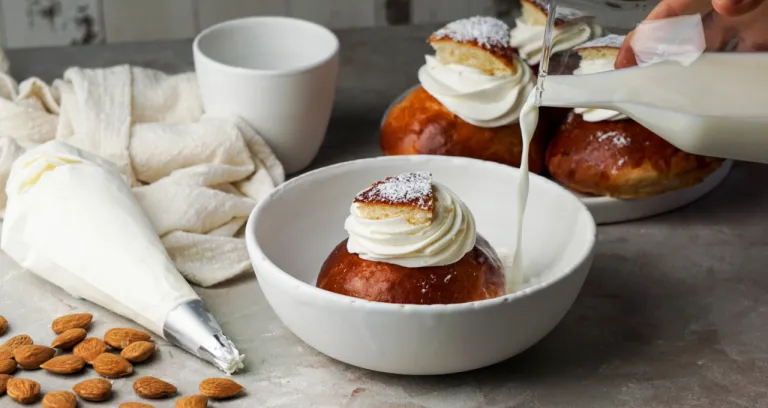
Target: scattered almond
30,357
65,364
22,390
135,405
220,388
121,338
7,366
138,352
71,321
15,342
3,325
59,399
4,382
193,401
94,390
90,348
153,388
112,366
6,354
69,339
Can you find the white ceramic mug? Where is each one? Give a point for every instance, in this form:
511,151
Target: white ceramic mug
278,74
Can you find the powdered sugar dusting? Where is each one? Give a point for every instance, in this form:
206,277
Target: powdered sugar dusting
618,138
407,188
621,141
487,32
610,41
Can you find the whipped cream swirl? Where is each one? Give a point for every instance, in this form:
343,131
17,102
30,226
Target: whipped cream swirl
478,98
587,66
444,241
529,38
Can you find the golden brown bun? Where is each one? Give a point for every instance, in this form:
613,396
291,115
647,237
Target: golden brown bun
621,159
479,275
420,124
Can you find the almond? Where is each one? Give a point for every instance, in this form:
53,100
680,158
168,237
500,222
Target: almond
15,342
90,348
220,388
66,364
153,388
3,325
71,321
112,366
6,354
121,338
135,405
94,390
30,357
69,339
138,352
22,390
4,382
7,366
193,401
59,399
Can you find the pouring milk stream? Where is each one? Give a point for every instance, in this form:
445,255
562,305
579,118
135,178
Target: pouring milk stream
72,219
529,118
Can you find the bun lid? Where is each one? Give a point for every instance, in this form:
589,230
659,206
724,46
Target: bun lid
537,11
477,42
601,48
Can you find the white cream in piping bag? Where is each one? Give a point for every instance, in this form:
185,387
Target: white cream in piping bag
71,219
526,37
478,98
444,241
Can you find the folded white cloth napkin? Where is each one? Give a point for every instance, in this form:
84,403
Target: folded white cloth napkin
196,176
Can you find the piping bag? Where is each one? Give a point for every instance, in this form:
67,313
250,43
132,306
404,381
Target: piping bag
71,219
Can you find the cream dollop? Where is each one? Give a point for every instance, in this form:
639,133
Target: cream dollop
529,38
444,241
480,99
592,67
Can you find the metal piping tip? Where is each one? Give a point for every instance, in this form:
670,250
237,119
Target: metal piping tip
191,327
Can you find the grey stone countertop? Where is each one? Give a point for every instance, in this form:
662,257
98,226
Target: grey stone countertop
673,313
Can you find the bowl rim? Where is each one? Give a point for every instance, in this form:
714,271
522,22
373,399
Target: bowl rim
259,257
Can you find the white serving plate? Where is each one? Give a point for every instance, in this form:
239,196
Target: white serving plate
608,210
291,232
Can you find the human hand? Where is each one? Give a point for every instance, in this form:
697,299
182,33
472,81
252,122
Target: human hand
723,20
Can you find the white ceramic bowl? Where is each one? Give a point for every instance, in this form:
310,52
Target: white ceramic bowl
292,231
